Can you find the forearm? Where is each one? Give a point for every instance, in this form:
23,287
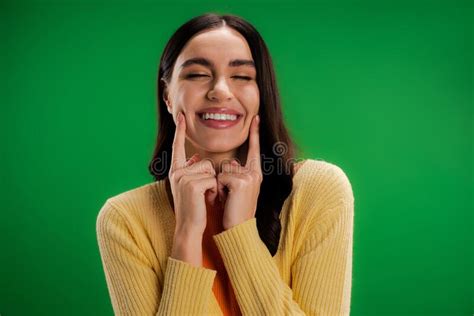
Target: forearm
187,247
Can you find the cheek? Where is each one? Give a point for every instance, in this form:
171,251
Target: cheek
188,96
250,98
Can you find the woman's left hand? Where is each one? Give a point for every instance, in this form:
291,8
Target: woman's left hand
242,183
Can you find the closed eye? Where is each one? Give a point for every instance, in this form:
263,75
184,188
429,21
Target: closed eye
243,77
201,75
196,75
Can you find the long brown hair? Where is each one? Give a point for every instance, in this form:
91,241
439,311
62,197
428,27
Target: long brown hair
276,147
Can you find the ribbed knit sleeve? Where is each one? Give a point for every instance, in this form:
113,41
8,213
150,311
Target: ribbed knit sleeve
187,290
133,285
322,268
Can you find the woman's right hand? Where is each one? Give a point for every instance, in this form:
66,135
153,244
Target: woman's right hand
189,181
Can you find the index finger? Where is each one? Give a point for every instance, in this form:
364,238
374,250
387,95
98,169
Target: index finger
253,155
178,153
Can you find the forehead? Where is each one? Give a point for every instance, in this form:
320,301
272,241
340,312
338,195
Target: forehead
222,44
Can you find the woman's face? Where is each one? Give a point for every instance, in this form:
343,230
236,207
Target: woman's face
219,81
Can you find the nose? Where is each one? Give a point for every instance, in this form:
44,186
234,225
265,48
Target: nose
220,91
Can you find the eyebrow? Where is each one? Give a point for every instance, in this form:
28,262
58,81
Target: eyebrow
207,63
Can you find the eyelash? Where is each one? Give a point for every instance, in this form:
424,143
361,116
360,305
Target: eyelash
200,75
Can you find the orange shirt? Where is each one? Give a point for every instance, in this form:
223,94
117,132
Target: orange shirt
212,259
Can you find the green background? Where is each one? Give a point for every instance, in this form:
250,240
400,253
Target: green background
382,89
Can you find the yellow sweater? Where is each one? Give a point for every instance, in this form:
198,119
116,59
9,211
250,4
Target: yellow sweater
311,273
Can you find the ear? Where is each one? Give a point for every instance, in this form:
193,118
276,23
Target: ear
166,96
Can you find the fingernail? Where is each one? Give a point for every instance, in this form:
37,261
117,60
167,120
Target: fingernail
180,117
258,119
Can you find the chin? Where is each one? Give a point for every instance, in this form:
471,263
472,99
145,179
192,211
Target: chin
219,145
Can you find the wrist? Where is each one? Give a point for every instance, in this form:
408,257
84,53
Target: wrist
187,247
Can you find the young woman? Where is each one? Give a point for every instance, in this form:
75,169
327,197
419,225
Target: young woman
233,224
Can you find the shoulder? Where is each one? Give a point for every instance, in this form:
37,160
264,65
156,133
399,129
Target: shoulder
130,206
323,180
322,193
124,224
322,206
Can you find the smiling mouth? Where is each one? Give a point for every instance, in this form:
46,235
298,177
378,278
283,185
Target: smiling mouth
218,121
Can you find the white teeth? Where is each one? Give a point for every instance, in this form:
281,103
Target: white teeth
219,117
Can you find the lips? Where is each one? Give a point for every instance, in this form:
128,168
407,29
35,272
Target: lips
219,124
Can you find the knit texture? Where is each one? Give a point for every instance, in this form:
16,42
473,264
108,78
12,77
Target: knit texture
311,273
